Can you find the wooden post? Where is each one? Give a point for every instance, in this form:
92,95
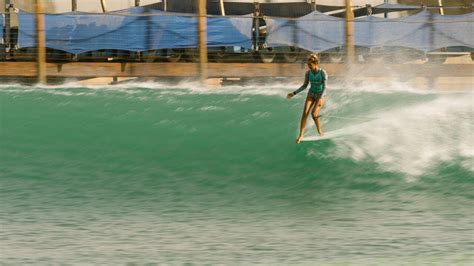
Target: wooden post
201,27
165,5
349,32
74,5
40,43
137,2
104,6
221,7
385,14
441,9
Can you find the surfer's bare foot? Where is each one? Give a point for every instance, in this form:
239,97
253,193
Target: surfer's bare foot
298,140
321,133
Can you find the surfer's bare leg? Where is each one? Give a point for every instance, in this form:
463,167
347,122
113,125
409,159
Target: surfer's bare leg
307,107
316,109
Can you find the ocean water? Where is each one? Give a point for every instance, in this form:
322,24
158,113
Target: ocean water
157,174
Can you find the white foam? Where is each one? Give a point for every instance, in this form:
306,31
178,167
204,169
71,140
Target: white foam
183,87
275,87
336,134
414,139
211,108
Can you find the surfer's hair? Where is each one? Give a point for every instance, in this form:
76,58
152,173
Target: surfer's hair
313,59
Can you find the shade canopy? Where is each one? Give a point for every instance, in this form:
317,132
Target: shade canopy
424,31
141,29
135,29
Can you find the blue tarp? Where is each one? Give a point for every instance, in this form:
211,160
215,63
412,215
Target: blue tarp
423,31
457,29
136,29
314,32
140,29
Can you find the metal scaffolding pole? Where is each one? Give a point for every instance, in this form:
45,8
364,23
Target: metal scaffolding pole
221,7
103,5
441,9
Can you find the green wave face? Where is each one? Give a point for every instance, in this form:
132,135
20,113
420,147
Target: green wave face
192,161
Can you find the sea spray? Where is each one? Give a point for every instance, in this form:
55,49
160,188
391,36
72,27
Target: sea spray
414,137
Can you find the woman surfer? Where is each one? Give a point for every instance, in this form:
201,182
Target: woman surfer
317,77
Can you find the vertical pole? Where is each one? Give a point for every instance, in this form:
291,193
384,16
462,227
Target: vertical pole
349,32
441,9
103,5
137,2
221,7
201,27
385,14
7,26
74,9
256,22
165,5
40,43
313,5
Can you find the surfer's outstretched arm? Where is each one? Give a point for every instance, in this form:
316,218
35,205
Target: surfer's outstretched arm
302,88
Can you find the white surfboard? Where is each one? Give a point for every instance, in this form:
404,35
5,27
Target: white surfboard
327,135
335,134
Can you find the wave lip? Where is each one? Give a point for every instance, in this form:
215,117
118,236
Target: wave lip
415,138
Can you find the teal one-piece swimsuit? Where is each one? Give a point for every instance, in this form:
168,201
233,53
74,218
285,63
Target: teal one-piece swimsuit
318,83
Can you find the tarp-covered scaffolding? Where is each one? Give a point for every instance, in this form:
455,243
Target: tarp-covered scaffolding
423,31
140,29
135,29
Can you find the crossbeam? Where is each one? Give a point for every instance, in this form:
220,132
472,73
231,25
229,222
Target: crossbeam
225,70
